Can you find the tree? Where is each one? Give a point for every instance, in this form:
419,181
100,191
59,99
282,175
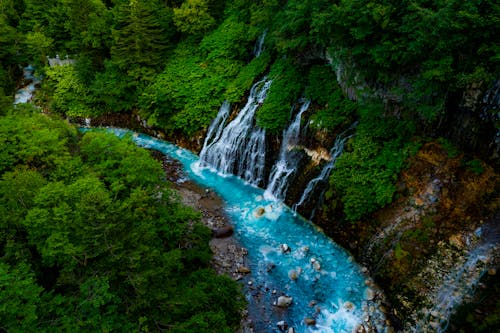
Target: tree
139,40
193,17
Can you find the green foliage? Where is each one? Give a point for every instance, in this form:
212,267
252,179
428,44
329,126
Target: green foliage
20,297
193,17
101,245
365,174
322,88
139,40
475,166
285,89
71,97
450,148
246,77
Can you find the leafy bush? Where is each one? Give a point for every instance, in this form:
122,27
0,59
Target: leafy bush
287,84
336,110
365,174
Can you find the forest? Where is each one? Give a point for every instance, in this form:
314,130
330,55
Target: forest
398,69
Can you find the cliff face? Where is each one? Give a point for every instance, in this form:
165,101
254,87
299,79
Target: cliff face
437,234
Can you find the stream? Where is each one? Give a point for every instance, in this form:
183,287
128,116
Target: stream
288,255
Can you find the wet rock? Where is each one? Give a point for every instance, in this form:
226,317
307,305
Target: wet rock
369,294
349,305
223,232
316,265
284,248
284,301
291,330
360,329
310,321
293,274
259,211
243,270
282,325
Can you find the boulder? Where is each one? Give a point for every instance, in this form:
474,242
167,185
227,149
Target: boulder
282,325
223,232
284,301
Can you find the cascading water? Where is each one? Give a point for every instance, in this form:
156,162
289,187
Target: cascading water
259,45
312,270
215,130
25,94
459,282
322,179
287,162
240,147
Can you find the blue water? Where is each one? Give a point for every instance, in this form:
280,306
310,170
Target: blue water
339,279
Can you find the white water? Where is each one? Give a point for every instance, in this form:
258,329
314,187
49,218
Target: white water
25,94
458,284
239,148
215,130
286,165
259,45
322,179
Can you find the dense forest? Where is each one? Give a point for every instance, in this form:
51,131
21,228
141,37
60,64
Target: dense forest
398,69
93,239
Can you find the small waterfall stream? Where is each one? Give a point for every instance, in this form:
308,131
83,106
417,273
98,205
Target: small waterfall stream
322,179
239,147
25,94
286,165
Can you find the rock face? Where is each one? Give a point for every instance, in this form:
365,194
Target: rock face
428,239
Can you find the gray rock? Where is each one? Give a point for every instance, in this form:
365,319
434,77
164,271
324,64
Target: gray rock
284,301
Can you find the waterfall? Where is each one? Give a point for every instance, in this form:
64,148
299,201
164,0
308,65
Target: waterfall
215,130
287,162
25,94
322,179
459,283
259,45
239,148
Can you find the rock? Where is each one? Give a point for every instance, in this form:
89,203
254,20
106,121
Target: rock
284,301
349,305
291,330
243,270
310,321
223,232
360,329
457,241
284,248
282,325
292,274
316,265
364,270
369,294
259,211
312,303
492,271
